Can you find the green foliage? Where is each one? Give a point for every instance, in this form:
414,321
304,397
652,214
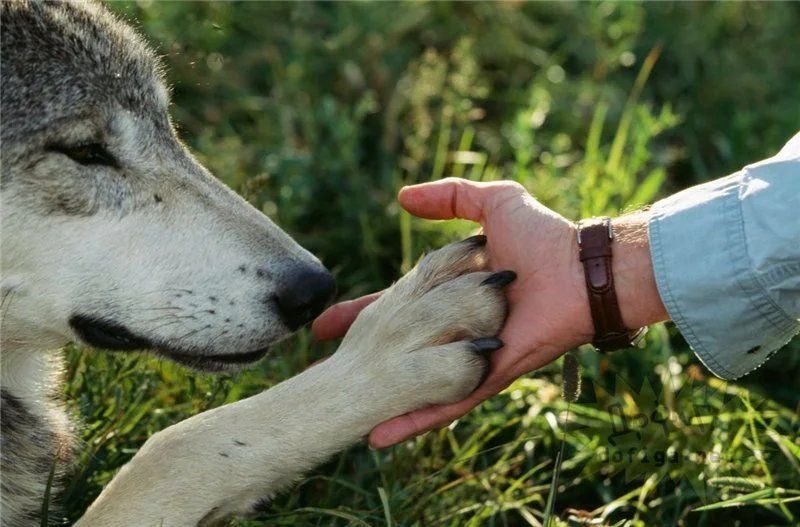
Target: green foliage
319,112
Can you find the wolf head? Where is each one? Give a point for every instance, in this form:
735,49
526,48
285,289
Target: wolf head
111,231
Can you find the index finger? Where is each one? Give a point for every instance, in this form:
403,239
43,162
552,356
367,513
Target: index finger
423,420
336,320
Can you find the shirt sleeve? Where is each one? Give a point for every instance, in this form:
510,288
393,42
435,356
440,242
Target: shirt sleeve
726,258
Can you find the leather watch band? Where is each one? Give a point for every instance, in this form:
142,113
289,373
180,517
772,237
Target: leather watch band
595,237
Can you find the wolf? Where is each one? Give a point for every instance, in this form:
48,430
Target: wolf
113,235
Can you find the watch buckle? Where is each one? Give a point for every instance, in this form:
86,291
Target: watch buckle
606,221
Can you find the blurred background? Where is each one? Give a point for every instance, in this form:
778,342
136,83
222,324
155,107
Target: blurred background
318,113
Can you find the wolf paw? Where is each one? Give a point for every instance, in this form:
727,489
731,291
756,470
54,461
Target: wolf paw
426,339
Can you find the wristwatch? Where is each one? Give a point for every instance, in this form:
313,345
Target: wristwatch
595,238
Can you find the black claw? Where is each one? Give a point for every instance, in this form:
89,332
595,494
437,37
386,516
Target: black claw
487,345
501,279
479,240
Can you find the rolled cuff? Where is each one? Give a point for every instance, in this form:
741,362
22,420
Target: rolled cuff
704,276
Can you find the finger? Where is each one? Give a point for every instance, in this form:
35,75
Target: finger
336,320
418,422
451,198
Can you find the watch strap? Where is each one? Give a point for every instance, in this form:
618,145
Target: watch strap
595,237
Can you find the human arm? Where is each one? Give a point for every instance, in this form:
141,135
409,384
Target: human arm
724,257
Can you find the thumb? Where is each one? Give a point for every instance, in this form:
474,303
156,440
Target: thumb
450,198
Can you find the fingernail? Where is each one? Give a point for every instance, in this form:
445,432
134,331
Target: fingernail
501,279
487,345
479,240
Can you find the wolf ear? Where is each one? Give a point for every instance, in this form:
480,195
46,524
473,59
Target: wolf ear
88,154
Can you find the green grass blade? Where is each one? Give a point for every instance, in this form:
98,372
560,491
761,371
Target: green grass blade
387,511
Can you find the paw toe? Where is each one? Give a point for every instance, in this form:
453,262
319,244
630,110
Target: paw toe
479,240
453,260
450,372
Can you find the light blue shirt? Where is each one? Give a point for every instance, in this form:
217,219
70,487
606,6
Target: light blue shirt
726,257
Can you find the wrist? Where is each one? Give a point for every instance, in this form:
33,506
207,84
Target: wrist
584,325
634,282
639,301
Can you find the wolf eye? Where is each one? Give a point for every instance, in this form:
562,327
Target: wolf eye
88,154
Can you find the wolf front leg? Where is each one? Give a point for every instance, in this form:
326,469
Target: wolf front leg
227,461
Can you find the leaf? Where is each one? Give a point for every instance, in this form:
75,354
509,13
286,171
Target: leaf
753,498
648,189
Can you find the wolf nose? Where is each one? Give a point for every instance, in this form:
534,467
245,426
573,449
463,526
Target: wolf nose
304,293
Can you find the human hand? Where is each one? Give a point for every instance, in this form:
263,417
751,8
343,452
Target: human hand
548,304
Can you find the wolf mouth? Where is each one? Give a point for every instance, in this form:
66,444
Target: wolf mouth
213,362
102,333
110,335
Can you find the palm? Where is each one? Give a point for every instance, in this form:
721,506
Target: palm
526,237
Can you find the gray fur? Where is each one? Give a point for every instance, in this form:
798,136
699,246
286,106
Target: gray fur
69,60
72,73
135,245
31,450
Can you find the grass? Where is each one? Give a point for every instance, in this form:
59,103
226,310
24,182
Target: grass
319,113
